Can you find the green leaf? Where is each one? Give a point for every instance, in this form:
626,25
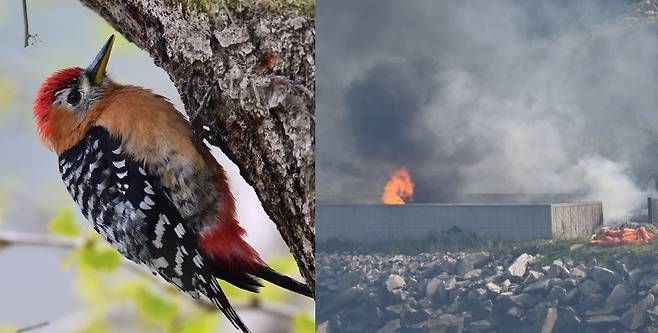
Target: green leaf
283,264
7,329
234,292
96,325
64,224
90,287
302,322
272,292
200,322
7,94
100,258
155,308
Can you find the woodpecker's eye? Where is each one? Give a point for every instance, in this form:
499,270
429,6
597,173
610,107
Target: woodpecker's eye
74,97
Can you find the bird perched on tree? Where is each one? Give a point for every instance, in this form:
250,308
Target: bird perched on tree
128,160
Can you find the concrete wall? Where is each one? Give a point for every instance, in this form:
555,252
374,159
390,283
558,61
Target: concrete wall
570,220
374,223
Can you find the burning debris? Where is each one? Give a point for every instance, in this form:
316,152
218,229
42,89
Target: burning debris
632,233
399,188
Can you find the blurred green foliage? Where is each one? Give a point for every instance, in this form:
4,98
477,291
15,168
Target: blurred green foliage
7,94
303,323
64,224
105,281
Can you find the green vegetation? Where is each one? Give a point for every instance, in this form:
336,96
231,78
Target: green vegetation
575,249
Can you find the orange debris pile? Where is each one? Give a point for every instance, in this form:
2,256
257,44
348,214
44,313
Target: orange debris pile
622,235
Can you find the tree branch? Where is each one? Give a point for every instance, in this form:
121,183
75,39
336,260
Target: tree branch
8,238
261,116
26,26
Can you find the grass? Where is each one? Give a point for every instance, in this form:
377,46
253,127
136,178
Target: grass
575,249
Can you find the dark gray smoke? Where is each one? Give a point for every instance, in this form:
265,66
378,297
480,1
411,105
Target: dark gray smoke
510,96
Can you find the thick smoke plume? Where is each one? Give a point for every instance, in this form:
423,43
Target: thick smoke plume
509,96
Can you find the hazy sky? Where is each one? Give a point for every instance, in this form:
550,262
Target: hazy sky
508,96
69,35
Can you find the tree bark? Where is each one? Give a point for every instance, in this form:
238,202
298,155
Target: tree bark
262,116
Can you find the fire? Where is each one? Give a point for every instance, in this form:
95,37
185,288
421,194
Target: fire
399,188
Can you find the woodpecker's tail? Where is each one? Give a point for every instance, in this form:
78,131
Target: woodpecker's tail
285,282
217,296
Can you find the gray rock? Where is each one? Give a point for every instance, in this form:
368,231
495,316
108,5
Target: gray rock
445,322
635,317
578,273
524,300
324,327
592,301
589,287
548,319
539,286
619,294
569,283
505,285
433,286
471,261
603,320
602,274
395,310
648,281
533,276
515,311
569,320
479,258
571,295
479,326
558,270
557,293
492,287
448,265
412,316
395,282
518,267
391,327
635,276
473,274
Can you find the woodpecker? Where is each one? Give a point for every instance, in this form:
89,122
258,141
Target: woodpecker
128,159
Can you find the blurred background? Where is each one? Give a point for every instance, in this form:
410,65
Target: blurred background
86,287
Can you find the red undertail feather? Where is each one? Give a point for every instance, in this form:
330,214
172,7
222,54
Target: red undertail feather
224,244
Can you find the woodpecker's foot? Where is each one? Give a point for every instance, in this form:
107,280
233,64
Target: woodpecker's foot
204,102
197,126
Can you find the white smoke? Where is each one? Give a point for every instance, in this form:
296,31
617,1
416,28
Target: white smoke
483,96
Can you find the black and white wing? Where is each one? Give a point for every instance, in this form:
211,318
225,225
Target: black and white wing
134,212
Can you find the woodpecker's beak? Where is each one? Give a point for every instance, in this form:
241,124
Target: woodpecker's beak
96,71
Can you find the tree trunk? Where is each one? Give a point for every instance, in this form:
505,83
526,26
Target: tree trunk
262,115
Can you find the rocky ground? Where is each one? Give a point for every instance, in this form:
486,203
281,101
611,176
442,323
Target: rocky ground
482,292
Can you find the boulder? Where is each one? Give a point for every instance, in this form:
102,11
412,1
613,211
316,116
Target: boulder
395,282
602,274
391,327
479,326
589,287
619,294
518,267
635,317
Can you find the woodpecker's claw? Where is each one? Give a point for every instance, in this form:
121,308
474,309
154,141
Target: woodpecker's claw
204,102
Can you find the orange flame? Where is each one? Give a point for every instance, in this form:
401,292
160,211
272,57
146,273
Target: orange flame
398,188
